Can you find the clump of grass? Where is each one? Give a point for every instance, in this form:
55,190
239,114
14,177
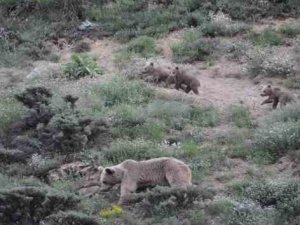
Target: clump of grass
292,82
240,116
10,111
143,46
266,38
138,149
193,48
81,65
204,116
189,149
290,30
121,90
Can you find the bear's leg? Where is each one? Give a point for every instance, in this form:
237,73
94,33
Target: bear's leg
179,178
128,186
195,90
275,103
268,100
177,85
188,89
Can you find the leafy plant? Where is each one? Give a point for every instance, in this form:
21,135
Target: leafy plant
81,65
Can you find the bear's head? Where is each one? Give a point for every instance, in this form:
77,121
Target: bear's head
149,68
171,80
267,91
175,71
111,176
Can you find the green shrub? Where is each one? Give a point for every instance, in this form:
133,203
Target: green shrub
137,149
270,63
222,25
193,48
142,46
33,203
266,38
207,159
71,218
204,116
166,201
284,196
240,116
291,30
81,65
10,111
247,213
121,90
24,42
220,206
277,139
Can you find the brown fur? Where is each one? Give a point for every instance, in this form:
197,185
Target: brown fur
182,77
275,96
133,174
158,74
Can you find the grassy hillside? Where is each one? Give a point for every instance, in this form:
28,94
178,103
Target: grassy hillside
74,97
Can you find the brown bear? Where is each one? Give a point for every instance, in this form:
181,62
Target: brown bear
158,74
182,77
275,96
133,174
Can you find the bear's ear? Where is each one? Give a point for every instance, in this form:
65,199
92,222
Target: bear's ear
109,171
151,64
176,68
269,85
